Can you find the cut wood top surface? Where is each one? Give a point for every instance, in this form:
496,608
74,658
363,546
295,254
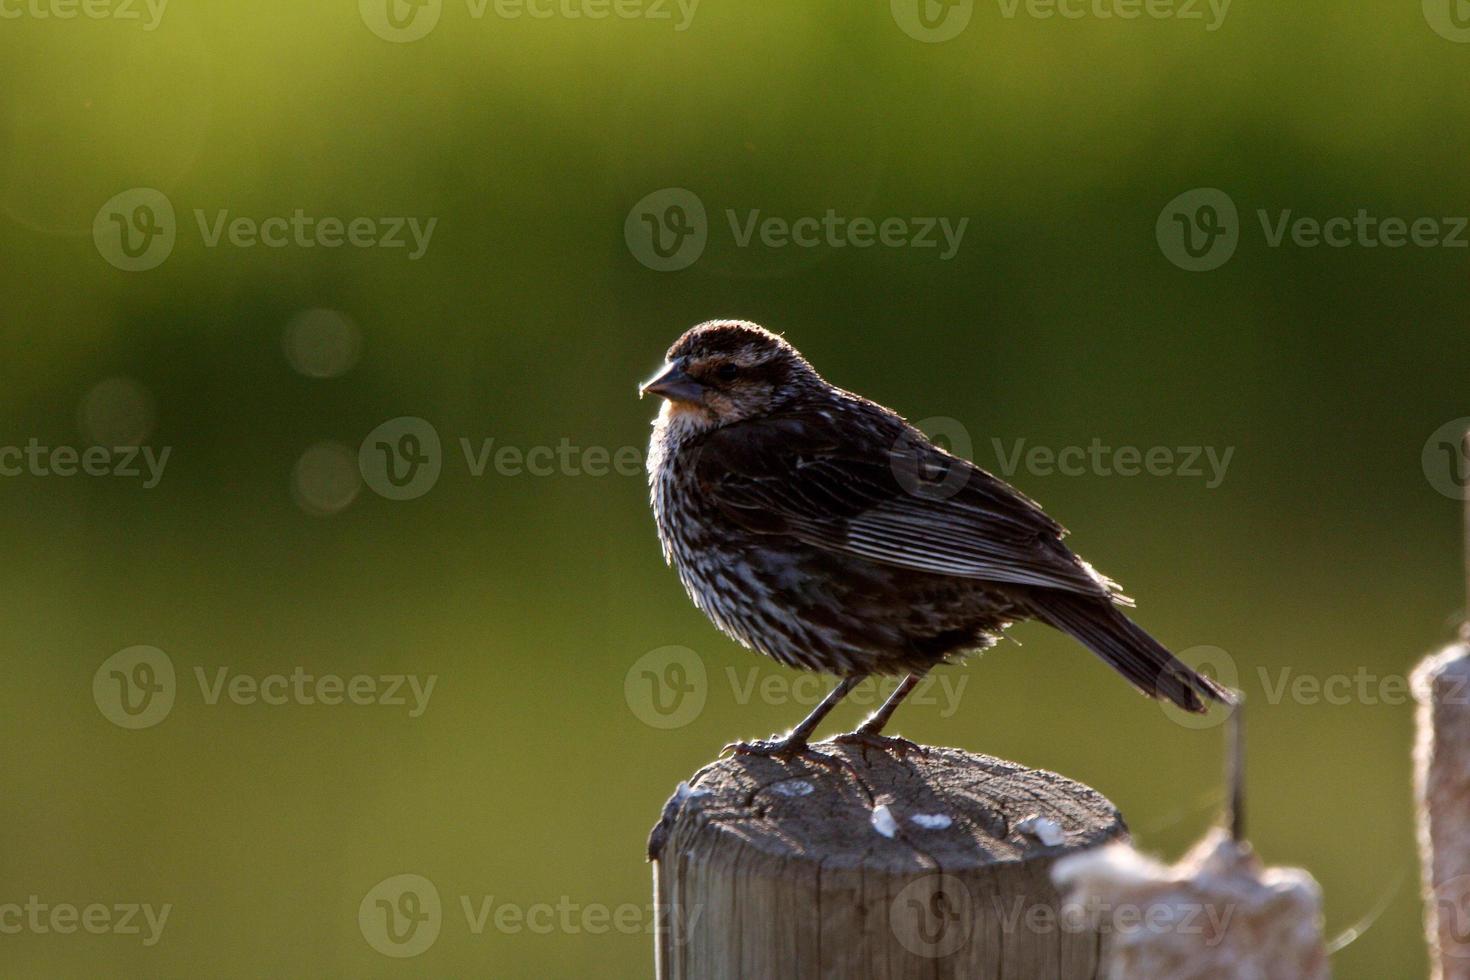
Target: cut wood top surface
944,809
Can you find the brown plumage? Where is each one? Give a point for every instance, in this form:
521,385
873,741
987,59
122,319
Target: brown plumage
821,529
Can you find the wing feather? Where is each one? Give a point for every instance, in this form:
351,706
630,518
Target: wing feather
875,488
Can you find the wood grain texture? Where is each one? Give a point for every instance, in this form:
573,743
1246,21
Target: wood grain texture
777,870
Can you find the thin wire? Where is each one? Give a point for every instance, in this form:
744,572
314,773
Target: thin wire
1355,931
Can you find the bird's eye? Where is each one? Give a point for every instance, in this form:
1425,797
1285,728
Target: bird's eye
727,371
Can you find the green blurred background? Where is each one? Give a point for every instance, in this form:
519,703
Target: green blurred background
531,777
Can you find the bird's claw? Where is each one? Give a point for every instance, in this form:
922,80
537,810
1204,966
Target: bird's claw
765,747
785,750
900,747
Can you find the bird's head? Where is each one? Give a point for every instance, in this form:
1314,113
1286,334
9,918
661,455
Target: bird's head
726,371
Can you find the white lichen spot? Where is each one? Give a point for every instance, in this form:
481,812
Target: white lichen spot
1044,829
932,821
793,787
882,820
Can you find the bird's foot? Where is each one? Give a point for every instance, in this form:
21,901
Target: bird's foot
785,750
900,747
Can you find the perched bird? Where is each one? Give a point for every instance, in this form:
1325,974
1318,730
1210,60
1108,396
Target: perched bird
821,529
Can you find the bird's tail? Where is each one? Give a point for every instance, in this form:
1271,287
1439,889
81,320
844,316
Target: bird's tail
1103,629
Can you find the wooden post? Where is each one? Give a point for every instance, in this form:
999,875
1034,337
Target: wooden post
1442,784
933,865
1220,912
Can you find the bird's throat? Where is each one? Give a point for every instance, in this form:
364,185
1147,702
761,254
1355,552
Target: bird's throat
685,415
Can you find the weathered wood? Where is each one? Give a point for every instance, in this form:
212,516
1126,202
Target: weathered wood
1218,913
778,870
1442,784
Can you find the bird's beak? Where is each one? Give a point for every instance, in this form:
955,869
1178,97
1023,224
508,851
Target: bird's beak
672,383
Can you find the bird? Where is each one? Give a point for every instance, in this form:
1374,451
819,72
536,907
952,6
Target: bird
824,531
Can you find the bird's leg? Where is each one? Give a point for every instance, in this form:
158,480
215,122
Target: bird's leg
795,741
870,732
877,720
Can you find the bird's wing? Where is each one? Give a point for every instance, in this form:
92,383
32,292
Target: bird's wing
879,490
